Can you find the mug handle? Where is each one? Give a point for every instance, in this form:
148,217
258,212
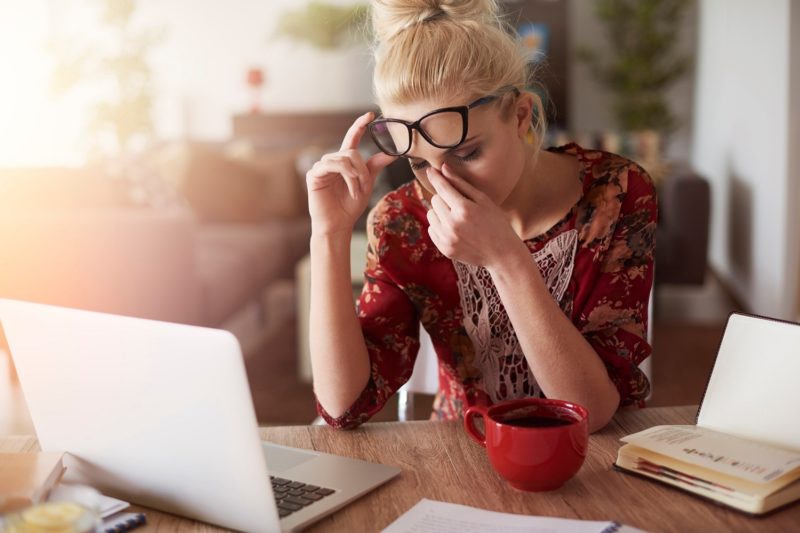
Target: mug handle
469,423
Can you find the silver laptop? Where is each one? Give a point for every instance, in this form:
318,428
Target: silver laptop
160,414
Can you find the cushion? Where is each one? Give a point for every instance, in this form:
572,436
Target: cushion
272,248
284,188
240,187
228,280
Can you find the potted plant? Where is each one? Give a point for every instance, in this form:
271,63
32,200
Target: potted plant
643,64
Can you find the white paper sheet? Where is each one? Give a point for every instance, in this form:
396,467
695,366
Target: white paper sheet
89,497
429,516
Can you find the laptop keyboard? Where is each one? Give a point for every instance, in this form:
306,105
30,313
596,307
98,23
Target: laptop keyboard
292,496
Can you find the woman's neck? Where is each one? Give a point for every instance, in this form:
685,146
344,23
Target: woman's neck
548,187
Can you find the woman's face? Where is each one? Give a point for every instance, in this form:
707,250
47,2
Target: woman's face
492,156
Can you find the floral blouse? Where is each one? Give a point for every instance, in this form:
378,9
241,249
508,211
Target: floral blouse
597,263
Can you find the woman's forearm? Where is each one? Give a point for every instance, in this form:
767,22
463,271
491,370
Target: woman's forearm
564,363
339,359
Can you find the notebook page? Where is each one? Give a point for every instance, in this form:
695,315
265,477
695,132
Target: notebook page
753,391
429,516
755,462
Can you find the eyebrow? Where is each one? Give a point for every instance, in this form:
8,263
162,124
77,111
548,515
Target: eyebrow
449,150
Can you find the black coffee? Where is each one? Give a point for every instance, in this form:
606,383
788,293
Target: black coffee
537,422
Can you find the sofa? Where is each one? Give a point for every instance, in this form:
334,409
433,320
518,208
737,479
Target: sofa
208,245
684,227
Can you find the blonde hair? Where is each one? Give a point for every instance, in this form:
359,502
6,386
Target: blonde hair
437,49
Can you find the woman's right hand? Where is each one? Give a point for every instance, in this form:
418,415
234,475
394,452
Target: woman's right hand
340,184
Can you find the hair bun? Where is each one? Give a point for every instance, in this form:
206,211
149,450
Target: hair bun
390,17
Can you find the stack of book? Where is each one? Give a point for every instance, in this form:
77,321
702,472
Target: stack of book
745,474
27,478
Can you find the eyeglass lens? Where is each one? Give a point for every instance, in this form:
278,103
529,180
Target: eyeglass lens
445,129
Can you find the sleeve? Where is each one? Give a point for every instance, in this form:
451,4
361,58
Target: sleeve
614,319
390,324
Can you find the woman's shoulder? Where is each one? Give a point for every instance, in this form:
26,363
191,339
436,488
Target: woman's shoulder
603,169
617,191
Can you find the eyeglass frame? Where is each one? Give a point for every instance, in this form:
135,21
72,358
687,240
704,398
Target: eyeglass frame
416,125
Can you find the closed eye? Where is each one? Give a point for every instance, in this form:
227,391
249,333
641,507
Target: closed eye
474,154
418,166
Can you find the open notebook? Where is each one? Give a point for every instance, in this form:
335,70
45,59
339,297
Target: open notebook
744,451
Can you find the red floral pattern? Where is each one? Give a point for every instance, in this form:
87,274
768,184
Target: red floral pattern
408,282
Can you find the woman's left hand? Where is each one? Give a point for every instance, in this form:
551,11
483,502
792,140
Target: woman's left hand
465,224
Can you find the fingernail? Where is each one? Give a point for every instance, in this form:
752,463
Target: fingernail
446,169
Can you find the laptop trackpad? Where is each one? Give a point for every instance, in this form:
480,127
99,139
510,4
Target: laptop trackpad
281,458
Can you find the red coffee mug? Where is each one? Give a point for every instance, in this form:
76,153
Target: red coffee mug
535,444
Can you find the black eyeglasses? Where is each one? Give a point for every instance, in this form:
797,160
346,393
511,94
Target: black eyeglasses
443,128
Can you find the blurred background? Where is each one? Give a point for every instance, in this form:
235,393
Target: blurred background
153,153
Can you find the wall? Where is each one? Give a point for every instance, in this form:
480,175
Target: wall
741,143
793,192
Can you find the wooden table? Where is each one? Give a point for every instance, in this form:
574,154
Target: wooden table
440,462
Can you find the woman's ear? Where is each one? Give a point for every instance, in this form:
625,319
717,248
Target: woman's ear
523,113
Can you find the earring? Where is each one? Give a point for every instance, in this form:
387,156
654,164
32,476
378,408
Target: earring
530,136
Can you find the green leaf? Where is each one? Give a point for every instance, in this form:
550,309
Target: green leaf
643,61
323,25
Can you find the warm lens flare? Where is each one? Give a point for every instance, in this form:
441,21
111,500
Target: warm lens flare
36,129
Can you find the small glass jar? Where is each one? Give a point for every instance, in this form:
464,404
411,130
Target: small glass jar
52,517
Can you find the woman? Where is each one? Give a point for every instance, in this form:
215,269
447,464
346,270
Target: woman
529,268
